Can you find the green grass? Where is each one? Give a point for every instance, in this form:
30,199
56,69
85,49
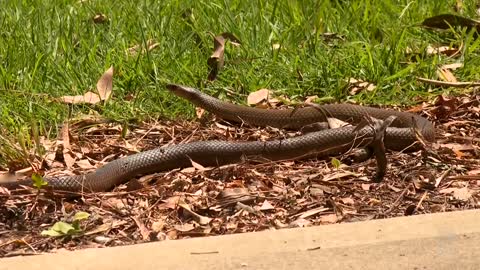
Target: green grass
52,48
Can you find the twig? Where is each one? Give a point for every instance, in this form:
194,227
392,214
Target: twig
448,84
396,202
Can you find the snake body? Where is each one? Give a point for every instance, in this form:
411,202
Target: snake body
214,153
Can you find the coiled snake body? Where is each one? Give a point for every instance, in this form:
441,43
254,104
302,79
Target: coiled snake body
398,136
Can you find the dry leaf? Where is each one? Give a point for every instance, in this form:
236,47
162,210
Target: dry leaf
197,166
366,187
114,203
311,99
458,149
445,21
258,96
157,226
474,172
68,156
150,45
339,175
347,201
216,60
452,66
336,123
446,75
186,227
445,50
104,88
266,205
100,18
88,97
462,194
356,86
105,84
202,220
331,218
170,203
444,106
144,231
312,212
301,222
199,112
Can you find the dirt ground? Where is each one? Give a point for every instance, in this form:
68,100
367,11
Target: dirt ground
198,201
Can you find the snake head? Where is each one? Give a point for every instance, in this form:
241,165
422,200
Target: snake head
188,93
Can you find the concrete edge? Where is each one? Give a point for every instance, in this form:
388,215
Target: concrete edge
424,241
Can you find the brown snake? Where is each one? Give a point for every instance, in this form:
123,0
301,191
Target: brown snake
398,136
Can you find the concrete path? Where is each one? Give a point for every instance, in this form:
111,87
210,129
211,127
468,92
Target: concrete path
435,241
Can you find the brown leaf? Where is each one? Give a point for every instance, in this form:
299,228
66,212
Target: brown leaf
199,112
458,148
311,99
356,86
105,84
157,226
366,187
446,75
348,201
84,164
88,97
258,96
445,21
301,222
313,212
444,106
216,60
170,203
331,218
233,195
443,50
104,88
68,156
114,203
150,45
338,175
202,220
197,166
474,172
462,194
186,227
452,66
266,205
100,18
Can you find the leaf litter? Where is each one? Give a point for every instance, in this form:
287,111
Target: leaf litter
242,197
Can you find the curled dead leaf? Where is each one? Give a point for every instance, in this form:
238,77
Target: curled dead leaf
446,75
259,96
104,88
68,156
216,60
105,84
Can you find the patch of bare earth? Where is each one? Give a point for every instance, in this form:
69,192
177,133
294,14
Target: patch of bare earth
246,197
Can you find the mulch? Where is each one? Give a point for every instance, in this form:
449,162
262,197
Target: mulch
237,198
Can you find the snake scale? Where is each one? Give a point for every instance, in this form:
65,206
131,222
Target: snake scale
398,136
